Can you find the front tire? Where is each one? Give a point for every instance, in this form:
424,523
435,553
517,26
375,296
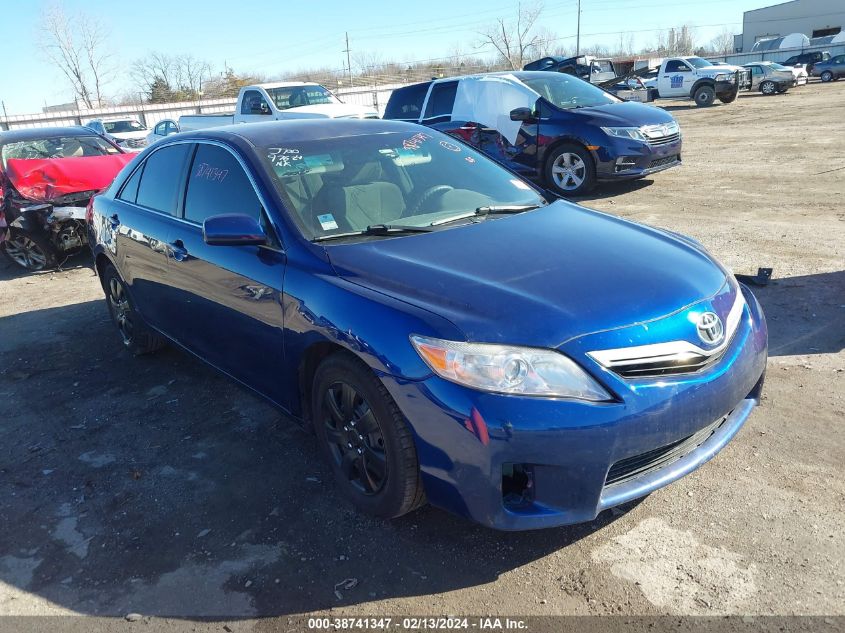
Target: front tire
728,98
704,96
365,438
570,170
31,251
136,335
827,76
768,88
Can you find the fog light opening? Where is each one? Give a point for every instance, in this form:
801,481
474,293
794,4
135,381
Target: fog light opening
624,163
517,485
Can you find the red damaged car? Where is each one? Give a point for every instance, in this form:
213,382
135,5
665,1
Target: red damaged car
47,177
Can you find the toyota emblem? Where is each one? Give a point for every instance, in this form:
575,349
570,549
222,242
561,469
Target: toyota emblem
710,329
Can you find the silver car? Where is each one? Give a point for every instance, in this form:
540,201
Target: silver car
770,78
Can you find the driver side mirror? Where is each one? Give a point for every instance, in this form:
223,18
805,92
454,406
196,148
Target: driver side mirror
522,114
234,229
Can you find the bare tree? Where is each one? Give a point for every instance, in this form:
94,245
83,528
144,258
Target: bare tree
166,77
723,43
515,40
77,46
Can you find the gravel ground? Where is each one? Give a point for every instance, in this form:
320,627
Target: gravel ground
156,486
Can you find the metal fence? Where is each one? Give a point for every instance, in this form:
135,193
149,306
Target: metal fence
152,113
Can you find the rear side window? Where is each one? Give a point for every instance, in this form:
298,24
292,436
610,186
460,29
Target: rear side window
218,184
442,99
406,103
162,179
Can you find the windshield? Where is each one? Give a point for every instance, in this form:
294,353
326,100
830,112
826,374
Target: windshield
409,179
778,66
295,96
58,147
118,127
698,62
568,91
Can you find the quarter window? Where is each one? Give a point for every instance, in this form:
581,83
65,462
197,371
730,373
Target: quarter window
130,189
217,185
163,176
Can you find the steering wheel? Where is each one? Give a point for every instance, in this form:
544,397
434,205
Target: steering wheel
425,196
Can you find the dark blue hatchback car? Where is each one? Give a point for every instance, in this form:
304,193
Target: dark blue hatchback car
450,334
553,128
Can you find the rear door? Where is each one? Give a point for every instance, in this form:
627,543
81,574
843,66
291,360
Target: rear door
229,297
142,216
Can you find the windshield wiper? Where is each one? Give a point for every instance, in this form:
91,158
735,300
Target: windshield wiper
490,210
376,229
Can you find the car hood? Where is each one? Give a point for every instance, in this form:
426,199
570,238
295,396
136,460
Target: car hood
538,278
50,179
331,111
625,114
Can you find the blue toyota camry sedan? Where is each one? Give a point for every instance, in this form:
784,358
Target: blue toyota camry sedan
451,333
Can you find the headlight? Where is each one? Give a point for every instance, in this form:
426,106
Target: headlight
524,371
723,77
625,132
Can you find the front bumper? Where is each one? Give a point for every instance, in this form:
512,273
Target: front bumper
622,159
466,439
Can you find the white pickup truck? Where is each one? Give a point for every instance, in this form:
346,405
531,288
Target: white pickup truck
698,79
280,101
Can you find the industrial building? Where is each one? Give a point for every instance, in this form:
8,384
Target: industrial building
813,18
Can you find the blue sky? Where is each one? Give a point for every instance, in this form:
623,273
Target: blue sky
272,37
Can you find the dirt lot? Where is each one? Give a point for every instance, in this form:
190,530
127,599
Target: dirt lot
155,486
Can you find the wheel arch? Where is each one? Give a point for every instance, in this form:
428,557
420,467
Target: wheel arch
704,81
313,355
557,143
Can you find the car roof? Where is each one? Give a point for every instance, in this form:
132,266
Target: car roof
271,133
519,74
35,133
283,84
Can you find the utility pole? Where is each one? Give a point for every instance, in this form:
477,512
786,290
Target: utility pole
578,36
348,62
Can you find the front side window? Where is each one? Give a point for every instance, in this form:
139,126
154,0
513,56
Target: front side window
161,182
297,96
411,178
567,91
58,147
677,66
217,185
406,103
159,129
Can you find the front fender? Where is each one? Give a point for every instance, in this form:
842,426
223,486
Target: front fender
375,327
704,81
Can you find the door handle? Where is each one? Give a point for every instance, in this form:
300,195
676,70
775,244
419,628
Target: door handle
178,250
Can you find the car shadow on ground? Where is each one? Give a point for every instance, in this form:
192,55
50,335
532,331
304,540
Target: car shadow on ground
805,314
156,485
612,189
9,270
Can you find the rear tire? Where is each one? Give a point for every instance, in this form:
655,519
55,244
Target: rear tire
365,438
30,251
704,96
137,336
827,76
768,88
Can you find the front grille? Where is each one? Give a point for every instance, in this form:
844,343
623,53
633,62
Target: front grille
136,142
665,365
659,162
632,467
664,140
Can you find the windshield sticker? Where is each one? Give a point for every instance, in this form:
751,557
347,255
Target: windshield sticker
327,222
214,174
520,185
283,156
470,160
416,140
450,146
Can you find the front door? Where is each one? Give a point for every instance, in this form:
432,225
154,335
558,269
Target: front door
676,80
229,297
